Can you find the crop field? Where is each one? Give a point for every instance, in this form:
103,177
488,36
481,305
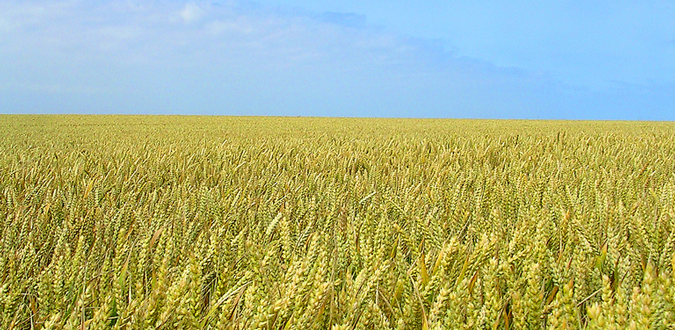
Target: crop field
163,222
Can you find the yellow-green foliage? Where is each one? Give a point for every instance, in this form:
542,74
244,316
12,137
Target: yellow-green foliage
113,222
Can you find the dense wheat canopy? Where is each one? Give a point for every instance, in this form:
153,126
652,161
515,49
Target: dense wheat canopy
304,223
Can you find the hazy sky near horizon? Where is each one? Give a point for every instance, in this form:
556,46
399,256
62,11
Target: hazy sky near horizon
456,59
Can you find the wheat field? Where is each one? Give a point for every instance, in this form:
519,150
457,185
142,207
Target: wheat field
163,222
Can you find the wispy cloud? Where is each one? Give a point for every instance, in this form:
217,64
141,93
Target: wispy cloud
218,32
244,58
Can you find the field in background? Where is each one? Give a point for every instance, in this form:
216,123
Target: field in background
142,222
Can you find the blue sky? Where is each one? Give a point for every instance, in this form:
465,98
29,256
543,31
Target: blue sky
468,59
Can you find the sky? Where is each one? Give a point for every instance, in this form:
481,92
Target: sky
371,58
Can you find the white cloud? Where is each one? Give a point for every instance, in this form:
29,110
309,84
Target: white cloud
191,13
240,54
235,31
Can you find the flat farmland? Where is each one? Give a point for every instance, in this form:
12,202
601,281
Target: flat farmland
185,222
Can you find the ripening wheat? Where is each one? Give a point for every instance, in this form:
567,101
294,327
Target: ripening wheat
113,222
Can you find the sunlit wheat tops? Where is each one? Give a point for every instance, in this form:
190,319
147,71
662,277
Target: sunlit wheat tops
289,223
